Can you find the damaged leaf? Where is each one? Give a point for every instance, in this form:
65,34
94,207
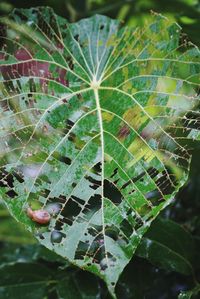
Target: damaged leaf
97,122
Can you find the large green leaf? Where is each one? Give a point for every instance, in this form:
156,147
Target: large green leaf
24,281
79,285
96,125
169,246
36,281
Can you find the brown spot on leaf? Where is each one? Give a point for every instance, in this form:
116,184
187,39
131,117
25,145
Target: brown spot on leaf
124,132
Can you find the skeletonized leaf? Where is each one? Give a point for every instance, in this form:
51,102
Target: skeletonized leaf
97,121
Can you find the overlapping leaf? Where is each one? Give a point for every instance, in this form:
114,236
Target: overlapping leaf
97,122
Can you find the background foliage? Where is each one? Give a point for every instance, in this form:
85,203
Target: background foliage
168,259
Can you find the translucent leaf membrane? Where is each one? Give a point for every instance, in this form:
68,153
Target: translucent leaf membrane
97,125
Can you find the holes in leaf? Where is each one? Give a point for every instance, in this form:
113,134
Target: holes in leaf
30,102
6,180
32,85
76,37
114,172
11,193
155,197
68,123
192,120
126,184
110,260
69,60
97,249
126,228
65,160
103,265
166,183
134,180
112,193
138,222
40,236
45,192
153,172
72,137
78,200
93,205
97,168
183,40
95,183
112,232
18,177
57,200
71,209
92,248
81,250
94,230
59,225
131,192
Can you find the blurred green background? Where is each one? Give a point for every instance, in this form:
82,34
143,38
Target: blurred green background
172,264
185,12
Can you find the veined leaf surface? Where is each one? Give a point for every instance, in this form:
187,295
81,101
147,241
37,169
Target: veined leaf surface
96,125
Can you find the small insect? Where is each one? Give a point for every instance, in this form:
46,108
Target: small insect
39,216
